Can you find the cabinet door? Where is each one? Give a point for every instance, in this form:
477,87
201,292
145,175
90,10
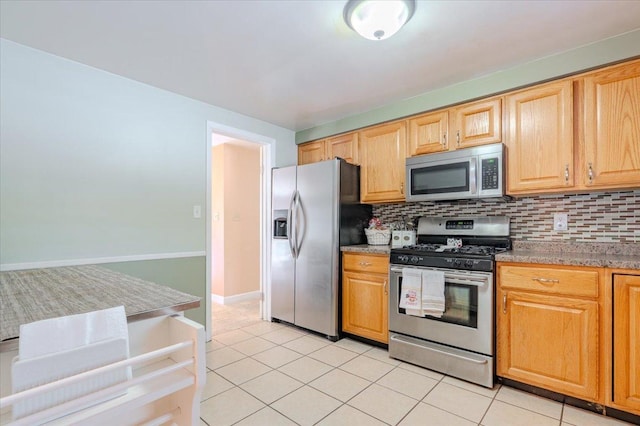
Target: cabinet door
626,341
344,146
364,305
382,170
428,133
548,341
540,139
312,152
478,123
612,128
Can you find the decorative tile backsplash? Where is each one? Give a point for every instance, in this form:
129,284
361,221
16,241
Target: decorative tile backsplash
598,217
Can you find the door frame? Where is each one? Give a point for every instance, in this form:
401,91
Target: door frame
267,146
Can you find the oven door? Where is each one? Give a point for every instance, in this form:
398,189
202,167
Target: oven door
467,322
442,180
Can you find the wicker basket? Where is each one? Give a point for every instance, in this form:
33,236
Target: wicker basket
378,237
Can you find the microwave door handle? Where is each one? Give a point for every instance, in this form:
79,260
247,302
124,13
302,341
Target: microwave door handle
473,175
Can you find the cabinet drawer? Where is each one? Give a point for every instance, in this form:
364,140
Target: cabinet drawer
556,280
378,264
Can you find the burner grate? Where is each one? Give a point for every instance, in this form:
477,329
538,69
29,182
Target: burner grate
470,249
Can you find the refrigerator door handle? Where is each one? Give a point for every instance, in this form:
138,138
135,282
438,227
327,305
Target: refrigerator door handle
290,226
300,223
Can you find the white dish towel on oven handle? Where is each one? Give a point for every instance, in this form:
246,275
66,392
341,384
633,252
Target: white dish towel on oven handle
411,291
432,293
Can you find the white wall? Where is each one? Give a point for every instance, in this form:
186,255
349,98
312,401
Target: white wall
93,165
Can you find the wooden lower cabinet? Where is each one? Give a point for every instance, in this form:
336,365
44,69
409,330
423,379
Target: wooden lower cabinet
549,336
365,295
626,342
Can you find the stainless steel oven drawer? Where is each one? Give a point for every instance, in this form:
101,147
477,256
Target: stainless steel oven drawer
454,362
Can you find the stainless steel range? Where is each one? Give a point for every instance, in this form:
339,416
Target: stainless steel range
453,261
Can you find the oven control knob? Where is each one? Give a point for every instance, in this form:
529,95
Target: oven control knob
456,262
403,258
414,259
468,264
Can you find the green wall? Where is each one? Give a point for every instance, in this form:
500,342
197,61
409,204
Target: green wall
183,274
94,165
603,52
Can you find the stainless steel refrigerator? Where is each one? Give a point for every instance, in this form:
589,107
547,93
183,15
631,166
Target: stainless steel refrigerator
316,209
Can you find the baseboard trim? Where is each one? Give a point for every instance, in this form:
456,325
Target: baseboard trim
98,260
236,298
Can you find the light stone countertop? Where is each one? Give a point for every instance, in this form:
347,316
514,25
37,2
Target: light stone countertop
366,248
37,294
609,255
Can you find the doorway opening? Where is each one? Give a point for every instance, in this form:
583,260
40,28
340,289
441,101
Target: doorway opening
238,188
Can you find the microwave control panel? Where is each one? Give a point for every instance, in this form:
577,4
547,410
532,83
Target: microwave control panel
490,173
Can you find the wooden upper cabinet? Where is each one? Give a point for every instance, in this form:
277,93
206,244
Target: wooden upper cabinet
611,155
540,153
472,124
312,152
477,123
428,133
382,156
626,336
344,146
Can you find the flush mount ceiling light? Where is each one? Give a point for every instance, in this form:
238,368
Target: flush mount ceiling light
378,19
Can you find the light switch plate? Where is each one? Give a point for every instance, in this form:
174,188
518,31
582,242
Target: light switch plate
560,222
197,212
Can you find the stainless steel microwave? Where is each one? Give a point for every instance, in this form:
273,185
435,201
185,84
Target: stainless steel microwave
476,172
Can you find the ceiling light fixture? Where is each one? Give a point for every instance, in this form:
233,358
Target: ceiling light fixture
378,19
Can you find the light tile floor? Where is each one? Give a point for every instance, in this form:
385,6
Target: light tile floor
262,373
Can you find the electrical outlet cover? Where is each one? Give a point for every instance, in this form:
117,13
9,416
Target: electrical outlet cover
560,222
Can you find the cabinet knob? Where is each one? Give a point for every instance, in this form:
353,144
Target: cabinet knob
444,139
458,138
504,303
402,188
385,287
590,173
363,263
566,174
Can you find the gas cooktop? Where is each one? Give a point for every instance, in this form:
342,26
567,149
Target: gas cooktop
459,243
437,249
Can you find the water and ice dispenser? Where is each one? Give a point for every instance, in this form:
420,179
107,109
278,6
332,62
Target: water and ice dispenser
280,227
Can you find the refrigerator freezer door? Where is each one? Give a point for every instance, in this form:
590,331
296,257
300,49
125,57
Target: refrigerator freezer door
317,275
282,262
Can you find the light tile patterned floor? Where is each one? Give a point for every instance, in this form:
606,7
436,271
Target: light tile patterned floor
265,374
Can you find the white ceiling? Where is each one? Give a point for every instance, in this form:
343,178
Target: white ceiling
296,64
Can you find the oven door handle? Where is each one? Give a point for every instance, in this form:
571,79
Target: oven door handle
464,358
475,279
480,283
